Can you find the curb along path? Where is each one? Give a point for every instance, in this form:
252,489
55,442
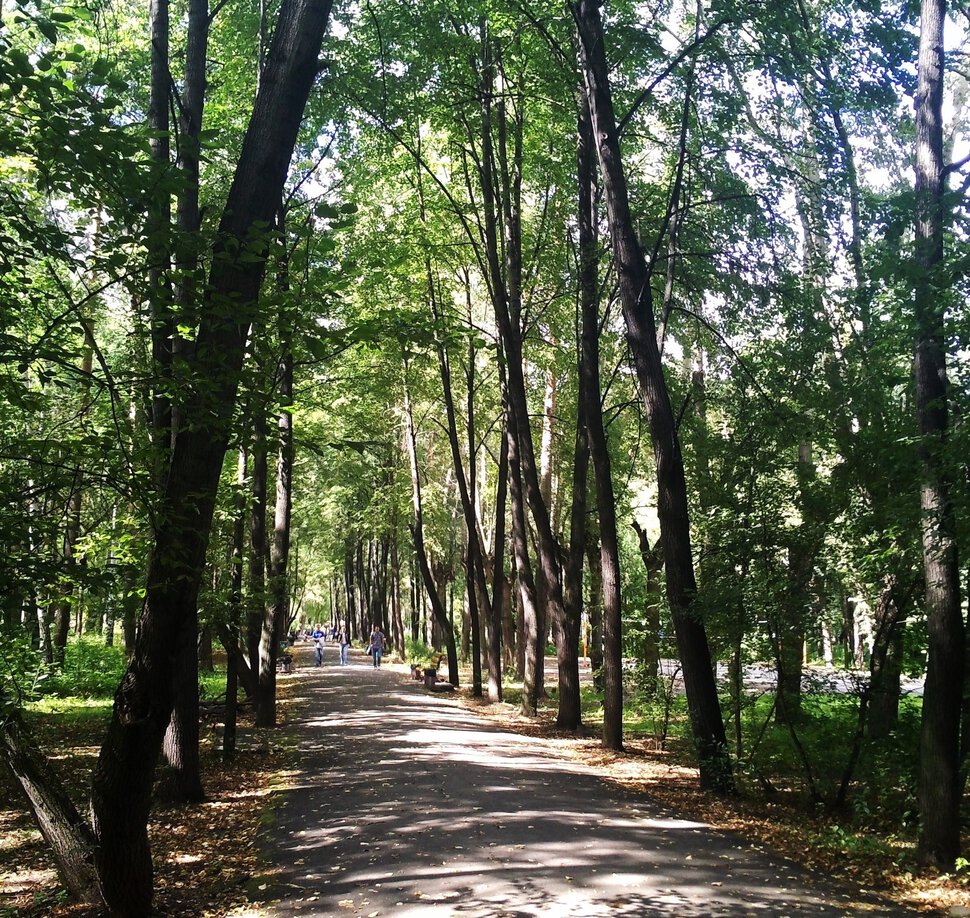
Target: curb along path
406,804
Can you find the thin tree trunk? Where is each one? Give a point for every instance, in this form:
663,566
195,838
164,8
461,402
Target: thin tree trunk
636,296
506,288
277,615
598,445
417,531
570,707
235,612
497,634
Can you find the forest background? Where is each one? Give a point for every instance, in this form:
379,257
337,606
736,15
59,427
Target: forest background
511,327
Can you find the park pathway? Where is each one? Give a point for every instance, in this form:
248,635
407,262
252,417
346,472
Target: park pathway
405,804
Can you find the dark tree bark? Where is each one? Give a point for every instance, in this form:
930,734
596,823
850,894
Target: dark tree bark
653,564
595,607
277,614
256,598
417,532
158,227
598,445
122,782
231,639
181,779
65,831
505,284
498,633
939,776
475,565
571,712
636,297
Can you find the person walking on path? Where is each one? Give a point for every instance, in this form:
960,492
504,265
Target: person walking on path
317,635
376,648
343,641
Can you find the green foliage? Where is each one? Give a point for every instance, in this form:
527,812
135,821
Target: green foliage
418,652
91,670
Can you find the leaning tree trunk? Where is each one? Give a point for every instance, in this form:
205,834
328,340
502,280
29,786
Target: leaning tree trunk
636,297
122,781
939,776
65,831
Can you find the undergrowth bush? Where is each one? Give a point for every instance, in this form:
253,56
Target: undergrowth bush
91,670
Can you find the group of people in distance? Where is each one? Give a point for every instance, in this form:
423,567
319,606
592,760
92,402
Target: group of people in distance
339,635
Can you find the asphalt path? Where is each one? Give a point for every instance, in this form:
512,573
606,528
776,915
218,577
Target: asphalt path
406,804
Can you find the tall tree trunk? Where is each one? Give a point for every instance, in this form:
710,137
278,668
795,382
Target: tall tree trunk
653,564
181,746
277,614
598,445
158,228
122,781
595,606
506,291
939,784
529,630
636,296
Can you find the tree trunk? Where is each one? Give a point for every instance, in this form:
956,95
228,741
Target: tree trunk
506,291
122,781
65,831
595,607
181,780
277,614
570,708
417,531
636,296
653,564
497,632
939,784
598,445
530,631
231,640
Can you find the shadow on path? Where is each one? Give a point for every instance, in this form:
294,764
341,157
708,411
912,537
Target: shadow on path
406,804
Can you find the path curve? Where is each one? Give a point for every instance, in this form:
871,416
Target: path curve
406,804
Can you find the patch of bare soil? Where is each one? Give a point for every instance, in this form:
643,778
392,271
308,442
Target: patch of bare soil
781,822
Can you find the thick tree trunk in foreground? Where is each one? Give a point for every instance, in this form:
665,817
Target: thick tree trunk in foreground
122,782
939,777
636,296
